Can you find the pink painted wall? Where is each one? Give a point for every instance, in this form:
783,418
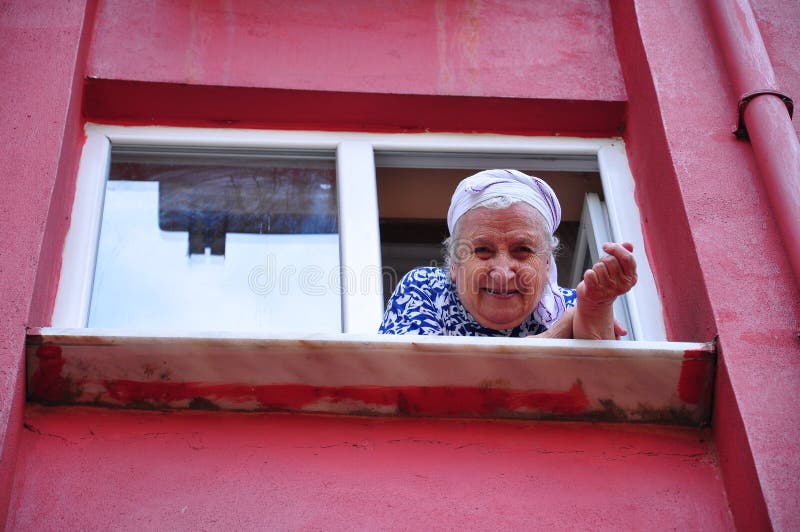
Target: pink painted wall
490,48
536,67
40,110
507,66
223,471
721,265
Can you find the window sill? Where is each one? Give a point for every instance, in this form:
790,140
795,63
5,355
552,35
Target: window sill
664,382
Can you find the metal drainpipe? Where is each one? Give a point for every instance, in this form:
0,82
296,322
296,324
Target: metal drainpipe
764,117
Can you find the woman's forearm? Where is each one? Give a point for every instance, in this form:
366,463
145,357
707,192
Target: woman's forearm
593,321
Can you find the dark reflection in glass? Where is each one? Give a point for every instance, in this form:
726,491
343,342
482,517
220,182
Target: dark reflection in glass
209,199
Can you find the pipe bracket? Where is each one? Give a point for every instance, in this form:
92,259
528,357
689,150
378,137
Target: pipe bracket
747,97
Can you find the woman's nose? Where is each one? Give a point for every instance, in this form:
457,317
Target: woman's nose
502,269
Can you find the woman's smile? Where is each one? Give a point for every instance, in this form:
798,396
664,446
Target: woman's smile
506,294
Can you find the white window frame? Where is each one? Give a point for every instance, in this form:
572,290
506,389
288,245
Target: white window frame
362,302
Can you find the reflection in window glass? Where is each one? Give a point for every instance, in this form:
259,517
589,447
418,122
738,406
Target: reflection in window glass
218,243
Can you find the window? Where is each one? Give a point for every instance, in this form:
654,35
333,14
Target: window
339,208
186,209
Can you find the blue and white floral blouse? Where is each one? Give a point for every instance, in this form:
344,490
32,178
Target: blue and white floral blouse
426,302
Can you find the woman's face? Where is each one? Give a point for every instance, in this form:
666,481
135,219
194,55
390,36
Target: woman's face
501,264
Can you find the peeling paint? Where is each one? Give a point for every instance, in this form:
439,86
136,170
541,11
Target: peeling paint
47,383
425,401
696,382
416,401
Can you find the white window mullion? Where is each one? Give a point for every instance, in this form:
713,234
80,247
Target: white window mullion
646,314
80,246
359,238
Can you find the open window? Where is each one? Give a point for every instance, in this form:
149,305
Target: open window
283,232
414,190
413,203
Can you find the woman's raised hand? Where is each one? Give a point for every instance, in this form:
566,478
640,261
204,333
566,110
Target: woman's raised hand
613,275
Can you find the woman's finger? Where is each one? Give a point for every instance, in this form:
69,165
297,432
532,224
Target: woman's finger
623,254
613,267
603,277
590,279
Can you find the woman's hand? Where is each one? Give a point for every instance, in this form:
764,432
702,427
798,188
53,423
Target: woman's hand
613,275
562,328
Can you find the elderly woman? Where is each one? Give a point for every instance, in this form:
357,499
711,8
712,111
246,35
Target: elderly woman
501,275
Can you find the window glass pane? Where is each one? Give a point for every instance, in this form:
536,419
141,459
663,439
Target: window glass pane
218,243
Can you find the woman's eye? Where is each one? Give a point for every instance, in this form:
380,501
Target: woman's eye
523,250
482,251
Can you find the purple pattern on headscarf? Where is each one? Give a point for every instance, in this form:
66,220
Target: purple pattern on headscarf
548,198
478,188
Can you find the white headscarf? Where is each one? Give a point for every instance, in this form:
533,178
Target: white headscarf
490,184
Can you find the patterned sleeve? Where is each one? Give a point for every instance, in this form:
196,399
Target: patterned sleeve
411,309
570,297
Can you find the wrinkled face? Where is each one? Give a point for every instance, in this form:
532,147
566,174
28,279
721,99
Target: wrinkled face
502,263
